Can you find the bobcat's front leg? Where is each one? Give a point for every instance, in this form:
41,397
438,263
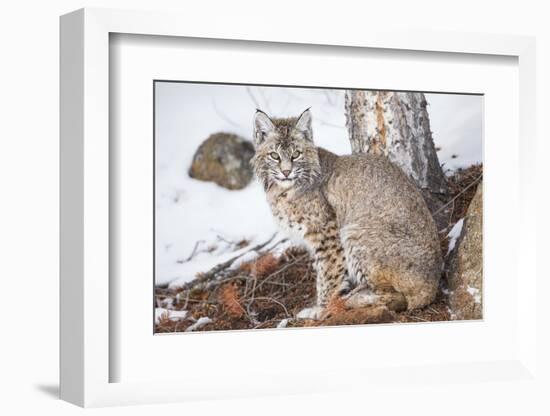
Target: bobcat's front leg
329,262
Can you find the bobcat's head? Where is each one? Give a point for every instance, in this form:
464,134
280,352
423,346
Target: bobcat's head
285,153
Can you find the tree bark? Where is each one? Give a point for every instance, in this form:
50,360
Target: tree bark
397,125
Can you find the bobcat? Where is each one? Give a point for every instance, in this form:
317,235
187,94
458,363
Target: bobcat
366,225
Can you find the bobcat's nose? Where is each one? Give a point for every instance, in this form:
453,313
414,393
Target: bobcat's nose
286,173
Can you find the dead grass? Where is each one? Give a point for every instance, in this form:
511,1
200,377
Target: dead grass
250,302
229,299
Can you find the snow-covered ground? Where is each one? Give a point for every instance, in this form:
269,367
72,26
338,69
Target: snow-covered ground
199,224
454,234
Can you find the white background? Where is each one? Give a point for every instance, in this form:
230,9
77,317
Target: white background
29,208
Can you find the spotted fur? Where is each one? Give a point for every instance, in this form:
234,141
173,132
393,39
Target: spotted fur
365,223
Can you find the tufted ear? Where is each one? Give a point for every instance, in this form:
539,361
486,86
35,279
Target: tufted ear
303,125
262,127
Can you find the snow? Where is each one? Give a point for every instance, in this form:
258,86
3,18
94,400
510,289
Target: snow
159,312
167,303
452,315
283,323
199,224
454,234
475,293
199,324
170,314
218,251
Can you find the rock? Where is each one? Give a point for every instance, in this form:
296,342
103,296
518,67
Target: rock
223,158
465,265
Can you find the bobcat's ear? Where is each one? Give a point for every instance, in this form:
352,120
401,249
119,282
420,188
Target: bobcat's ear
303,125
262,127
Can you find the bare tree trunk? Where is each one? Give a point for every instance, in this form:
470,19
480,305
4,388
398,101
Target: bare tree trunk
397,125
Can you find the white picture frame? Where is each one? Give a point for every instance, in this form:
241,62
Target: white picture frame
85,224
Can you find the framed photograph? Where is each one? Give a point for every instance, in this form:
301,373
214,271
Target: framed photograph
225,199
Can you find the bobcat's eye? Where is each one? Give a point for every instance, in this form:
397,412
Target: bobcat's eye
296,155
274,156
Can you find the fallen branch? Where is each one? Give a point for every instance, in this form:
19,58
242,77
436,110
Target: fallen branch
193,253
271,300
457,195
214,271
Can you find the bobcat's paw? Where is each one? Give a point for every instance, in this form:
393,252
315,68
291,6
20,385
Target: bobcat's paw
361,298
314,313
345,287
